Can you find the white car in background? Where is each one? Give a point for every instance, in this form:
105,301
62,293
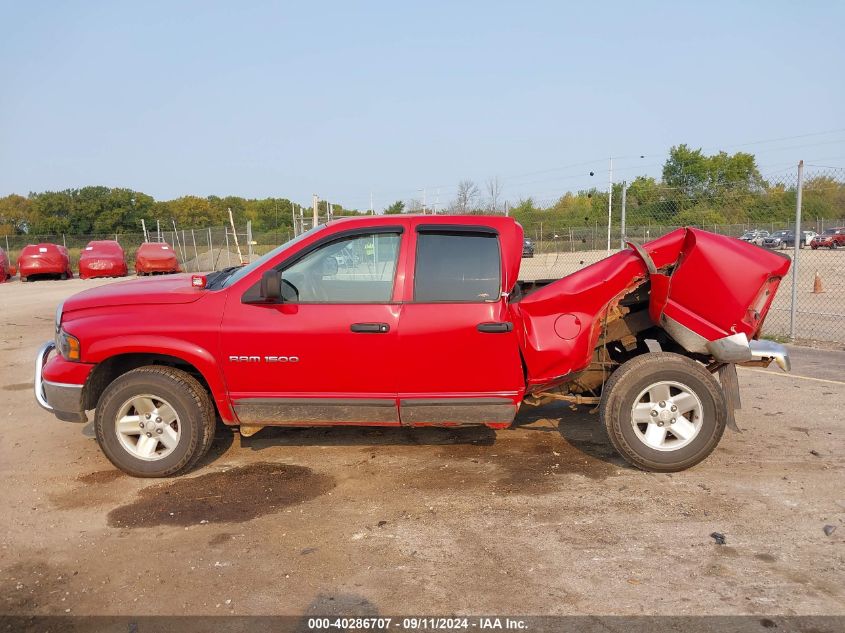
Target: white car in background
754,236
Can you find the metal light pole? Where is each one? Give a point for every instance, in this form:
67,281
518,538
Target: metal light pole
622,214
796,250
609,201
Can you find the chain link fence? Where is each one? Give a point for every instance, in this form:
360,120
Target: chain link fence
572,232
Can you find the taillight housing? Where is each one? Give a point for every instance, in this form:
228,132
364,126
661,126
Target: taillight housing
758,310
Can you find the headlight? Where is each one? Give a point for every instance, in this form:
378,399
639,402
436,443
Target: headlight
68,345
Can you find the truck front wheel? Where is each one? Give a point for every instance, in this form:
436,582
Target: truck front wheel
155,421
663,412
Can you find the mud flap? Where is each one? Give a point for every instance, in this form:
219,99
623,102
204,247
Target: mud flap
730,387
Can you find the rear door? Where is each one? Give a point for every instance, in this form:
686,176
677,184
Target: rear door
327,354
459,354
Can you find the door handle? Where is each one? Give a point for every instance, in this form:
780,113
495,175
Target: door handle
495,328
371,328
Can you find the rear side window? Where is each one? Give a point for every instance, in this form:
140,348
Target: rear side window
458,267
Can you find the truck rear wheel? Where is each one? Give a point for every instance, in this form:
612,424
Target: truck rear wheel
155,421
663,412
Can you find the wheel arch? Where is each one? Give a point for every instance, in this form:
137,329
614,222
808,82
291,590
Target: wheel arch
117,364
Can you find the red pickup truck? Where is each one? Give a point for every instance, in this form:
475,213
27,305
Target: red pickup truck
416,321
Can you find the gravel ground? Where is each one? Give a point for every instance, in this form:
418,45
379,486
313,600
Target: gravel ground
542,519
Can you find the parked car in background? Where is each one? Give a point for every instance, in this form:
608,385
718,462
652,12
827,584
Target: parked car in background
754,236
5,267
44,260
779,239
156,258
786,239
527,248
806,238
830,238
102,258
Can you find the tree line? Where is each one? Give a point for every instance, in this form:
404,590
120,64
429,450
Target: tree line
694,189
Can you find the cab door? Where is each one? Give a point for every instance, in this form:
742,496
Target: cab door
460,356
327,353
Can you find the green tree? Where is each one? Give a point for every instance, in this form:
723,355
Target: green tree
15,214
396,208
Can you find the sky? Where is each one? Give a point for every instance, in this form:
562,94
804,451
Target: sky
401,100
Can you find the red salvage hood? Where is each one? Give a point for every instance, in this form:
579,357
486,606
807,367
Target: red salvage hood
159,290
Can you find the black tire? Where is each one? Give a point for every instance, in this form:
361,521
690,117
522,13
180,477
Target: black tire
24,280
63,276
189,399
629,381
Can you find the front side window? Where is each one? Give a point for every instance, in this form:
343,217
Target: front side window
457,267
358,269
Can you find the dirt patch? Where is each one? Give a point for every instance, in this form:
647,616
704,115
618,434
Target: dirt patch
220,539
21,386
231,496
529,464
30,587
511,465
101,477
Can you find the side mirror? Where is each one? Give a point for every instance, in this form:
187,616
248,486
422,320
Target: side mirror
271,285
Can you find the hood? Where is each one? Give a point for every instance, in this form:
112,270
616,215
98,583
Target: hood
156,290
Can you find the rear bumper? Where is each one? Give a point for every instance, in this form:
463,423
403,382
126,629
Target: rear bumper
102,268
738,349
157,267
41,268
63,400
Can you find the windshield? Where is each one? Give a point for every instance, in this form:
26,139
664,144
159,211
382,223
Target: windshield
244,271
781,234
829,232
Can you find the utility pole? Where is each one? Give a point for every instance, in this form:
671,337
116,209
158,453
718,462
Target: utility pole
372,211
609,201
622,222
424,193
293,218
235,235
796,250
144,228
316,201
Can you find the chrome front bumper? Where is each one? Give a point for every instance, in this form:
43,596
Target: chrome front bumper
738,349
62,400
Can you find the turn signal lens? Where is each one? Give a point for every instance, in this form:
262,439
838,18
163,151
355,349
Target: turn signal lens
68,346
199,281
